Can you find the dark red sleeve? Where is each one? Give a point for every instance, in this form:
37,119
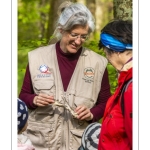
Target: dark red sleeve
128,112
27,94
98,110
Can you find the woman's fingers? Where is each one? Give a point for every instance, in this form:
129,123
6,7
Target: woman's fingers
43,100
84,113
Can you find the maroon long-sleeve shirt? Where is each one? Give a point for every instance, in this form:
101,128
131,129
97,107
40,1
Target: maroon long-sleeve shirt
67,63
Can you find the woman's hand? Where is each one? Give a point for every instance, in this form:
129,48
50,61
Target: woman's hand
84,113
43,100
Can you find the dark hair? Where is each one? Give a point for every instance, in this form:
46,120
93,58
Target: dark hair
119,29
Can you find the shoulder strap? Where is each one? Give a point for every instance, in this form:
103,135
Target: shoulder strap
122,96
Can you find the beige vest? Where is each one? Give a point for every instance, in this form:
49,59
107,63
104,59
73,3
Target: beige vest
53,127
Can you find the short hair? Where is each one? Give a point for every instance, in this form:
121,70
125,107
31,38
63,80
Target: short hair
119,29
72,14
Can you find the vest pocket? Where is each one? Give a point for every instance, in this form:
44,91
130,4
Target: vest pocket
42,114
47,110
40,133
89,103
75,140
44,86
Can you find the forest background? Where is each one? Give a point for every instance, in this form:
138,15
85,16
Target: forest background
36,24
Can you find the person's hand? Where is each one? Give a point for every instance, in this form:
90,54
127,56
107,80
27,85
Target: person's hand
84,113
43,100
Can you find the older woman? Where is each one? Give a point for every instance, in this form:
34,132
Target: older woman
66,86
116,131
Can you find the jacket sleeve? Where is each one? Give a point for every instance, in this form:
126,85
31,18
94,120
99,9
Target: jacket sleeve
128,112
104,94
27,94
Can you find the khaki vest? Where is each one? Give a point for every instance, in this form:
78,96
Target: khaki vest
52,127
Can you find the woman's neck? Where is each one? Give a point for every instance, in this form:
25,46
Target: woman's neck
127,65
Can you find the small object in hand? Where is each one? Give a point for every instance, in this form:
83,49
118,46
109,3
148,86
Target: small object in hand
66,106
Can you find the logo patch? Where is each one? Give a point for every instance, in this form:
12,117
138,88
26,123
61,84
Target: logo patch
44,71
89,74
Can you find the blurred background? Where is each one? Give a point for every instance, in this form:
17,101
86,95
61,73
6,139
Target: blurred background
36,24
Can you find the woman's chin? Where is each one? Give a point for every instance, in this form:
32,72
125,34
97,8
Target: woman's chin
72,50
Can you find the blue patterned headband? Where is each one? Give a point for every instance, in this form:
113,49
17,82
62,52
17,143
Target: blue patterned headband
112,43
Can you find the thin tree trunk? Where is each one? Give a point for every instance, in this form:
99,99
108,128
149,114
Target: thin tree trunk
91,6
42,21
54,4
99,15
81,1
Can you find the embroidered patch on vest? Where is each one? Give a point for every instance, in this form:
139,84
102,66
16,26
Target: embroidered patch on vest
44,72
89,74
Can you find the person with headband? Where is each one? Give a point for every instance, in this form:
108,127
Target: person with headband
66,85
116,129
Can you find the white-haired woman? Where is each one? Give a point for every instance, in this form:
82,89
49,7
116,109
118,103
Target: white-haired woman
66,86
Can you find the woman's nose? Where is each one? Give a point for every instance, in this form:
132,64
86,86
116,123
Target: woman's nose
78,40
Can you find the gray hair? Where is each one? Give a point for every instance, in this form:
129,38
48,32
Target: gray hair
71,14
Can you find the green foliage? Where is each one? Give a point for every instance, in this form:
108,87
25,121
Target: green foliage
32,19
112,77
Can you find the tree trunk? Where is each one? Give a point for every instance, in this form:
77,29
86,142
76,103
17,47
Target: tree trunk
42,20
91,6
99,15
73,1
123,9
103,14
54,4
81,1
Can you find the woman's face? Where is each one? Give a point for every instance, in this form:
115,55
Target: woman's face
72,41
113,58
